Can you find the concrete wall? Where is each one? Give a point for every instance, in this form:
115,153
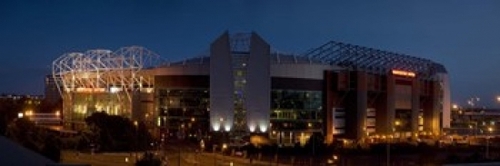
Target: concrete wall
258,87
190,69
221,85
307,71
446,107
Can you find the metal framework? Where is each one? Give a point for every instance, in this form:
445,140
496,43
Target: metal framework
373,60
103,75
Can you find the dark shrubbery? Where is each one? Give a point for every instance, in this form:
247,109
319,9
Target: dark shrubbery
37,139
115,133
149,159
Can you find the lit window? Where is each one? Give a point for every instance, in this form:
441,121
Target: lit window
239,73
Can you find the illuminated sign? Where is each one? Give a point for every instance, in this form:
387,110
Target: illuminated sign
403,73
90,90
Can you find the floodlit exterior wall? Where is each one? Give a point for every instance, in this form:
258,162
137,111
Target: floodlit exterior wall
221,85
258,85
446,106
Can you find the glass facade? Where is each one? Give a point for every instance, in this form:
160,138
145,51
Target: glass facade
239,74
184,111
84,104
295,112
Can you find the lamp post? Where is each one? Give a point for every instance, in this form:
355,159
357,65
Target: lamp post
213,152
490,129
388,152
396,123
224,147
136,125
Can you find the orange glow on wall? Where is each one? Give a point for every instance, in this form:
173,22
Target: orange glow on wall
403,73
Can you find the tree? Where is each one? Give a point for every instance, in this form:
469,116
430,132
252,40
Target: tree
116,133
32,137
315,143
51,149
9,108
149,159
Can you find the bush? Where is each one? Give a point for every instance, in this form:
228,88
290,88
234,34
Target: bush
115,133
149,159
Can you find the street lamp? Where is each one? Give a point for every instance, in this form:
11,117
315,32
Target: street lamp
397,123
202,145
224,147
490,129
389,145
213,153
136,125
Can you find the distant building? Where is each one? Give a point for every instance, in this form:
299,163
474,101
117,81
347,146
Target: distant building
19,97
52,94
474,121
244,87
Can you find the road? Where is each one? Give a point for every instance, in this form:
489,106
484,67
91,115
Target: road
186,159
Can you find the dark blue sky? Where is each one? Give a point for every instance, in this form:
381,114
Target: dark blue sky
463,35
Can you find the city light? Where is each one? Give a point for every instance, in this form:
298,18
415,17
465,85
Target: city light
28,113
224,146
397,123
20,115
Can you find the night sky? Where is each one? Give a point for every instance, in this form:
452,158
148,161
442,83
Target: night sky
464,35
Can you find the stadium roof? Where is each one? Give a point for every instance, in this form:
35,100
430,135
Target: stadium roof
349,56
372,60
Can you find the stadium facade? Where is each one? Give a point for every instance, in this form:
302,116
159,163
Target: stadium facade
243,87
118,83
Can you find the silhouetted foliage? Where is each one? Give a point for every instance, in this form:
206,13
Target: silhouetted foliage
315,143
32,137
475,157
452,158
51,149
115,133
149,159
8,112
